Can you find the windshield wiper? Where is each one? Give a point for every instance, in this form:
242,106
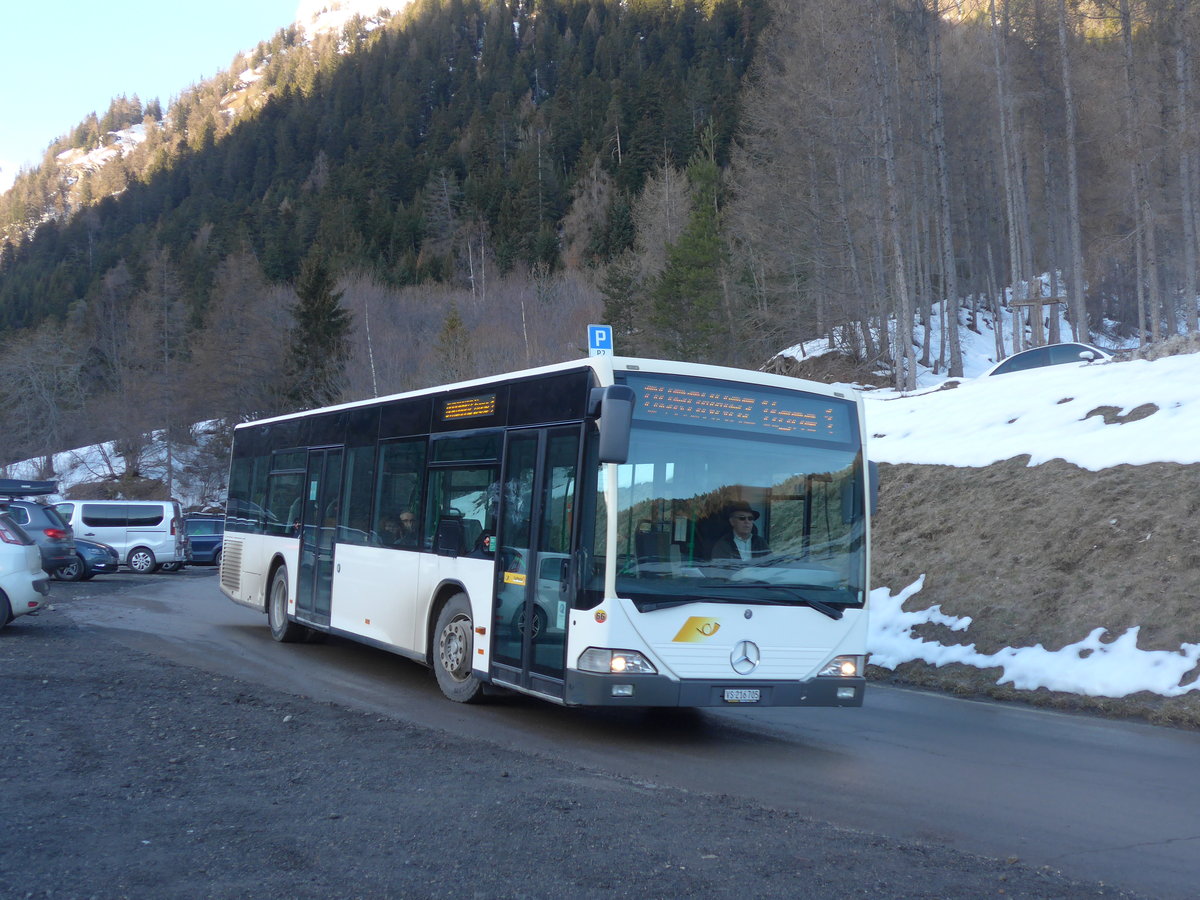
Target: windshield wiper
650,605
819,605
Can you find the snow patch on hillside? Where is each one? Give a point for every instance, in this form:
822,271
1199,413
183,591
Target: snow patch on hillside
116,144
322,16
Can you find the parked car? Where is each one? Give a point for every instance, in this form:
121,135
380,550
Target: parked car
91,558
1050,355
23,584
145,533
206,534
41,522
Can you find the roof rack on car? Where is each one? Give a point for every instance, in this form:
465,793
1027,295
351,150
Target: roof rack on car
11,487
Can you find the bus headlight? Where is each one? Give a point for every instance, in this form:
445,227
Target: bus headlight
615,662
843,667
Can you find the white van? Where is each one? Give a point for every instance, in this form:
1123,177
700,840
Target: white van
145,533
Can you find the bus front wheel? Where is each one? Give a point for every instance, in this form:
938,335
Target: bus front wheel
453,644
282,629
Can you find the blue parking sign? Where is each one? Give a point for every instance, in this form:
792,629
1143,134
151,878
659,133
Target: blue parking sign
600,340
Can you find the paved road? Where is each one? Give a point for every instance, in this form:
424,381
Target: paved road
1099,800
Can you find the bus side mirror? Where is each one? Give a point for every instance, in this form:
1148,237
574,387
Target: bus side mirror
873,478
614,407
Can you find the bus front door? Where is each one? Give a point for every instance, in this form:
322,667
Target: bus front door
530,611
314,580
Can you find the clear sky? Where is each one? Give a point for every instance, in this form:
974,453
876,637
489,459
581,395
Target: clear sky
68,58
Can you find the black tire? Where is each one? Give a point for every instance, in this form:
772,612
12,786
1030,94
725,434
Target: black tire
171,567
282,629
5,610
76,571
141,560
453,649
217,560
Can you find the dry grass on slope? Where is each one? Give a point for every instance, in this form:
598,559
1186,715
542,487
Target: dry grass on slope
1045,555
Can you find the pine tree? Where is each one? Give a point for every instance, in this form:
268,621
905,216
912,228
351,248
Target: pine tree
687,299
455,350
320,337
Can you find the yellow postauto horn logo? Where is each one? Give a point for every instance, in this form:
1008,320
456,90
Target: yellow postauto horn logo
696,629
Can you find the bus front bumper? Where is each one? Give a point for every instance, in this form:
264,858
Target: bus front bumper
587,689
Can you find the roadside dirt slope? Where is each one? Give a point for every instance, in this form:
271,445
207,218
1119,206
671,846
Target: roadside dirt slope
1045,555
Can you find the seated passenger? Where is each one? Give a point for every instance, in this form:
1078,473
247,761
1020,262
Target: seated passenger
742,543
406,534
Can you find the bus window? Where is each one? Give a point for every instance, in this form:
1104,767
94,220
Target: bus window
284,490
462,510
398,494
354,525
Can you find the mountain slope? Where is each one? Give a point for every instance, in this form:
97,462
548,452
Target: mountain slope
400,147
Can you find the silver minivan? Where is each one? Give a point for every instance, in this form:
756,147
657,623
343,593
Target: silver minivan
145,533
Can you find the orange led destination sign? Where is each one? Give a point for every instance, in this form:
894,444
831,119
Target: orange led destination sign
752,408
469,407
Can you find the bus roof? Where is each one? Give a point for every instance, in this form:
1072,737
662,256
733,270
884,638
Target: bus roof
605,368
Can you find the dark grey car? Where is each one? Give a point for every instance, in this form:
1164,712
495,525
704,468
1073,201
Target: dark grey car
47,528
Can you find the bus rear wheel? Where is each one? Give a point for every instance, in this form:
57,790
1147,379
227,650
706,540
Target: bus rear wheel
282,629
453,645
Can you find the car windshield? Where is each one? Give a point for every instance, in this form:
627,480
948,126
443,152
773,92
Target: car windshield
725,515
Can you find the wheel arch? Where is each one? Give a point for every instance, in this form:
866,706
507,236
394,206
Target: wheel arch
277,562
441,597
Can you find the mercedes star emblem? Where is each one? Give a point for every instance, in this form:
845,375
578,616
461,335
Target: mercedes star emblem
744,657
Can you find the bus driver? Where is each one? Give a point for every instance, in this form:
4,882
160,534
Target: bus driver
743,542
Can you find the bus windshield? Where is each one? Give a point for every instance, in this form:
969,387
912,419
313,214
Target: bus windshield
728,513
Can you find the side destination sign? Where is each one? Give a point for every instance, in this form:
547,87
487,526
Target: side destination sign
469,407
742,407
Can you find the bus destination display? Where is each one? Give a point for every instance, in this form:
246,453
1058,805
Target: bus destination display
469,407
748,407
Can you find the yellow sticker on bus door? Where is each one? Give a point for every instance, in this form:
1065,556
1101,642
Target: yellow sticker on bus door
514,578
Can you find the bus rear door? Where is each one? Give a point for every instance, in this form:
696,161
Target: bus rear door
314,581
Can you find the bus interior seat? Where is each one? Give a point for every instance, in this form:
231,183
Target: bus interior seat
656,551
471,532
709,530
450,535
652,546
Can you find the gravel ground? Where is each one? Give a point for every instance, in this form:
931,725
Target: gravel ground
129,776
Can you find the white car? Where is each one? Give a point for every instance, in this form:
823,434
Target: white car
23,584
1049,355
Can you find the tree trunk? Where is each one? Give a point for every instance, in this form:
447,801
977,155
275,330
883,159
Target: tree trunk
1012,175
945,223
1183,79
1076,303
1145,228
905,362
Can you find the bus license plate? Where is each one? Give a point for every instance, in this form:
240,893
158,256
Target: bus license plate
741,695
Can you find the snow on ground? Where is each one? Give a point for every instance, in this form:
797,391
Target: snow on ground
1045,413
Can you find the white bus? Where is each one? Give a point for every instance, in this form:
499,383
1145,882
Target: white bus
566,533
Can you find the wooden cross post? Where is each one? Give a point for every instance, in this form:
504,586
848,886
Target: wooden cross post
1038,337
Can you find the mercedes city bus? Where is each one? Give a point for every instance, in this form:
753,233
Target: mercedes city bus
565,532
